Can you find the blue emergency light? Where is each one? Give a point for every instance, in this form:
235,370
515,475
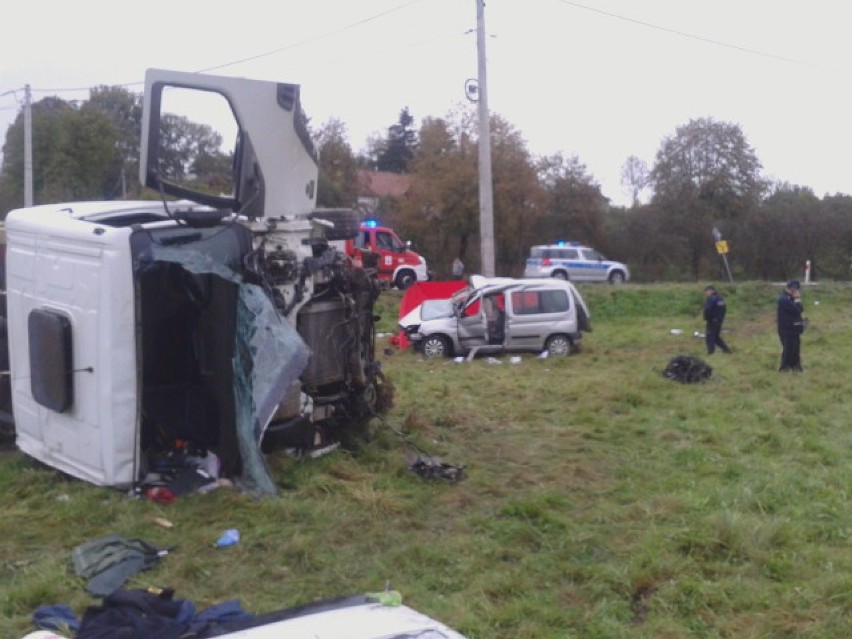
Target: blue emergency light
371,223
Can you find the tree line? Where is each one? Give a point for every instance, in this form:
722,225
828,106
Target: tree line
705,176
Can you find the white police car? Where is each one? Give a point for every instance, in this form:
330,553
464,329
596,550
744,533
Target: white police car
573,261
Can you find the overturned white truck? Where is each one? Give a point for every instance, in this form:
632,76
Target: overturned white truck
205,324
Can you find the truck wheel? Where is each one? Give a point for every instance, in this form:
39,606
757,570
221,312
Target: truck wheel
404,279
436,346
347,223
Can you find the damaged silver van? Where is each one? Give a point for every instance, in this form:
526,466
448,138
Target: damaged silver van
209,323
498,314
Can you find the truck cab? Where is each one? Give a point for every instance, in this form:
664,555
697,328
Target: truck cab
202,325
397,264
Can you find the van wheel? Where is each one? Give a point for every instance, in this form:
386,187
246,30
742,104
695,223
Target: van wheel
616,277
347,223
436,346
558,345
404,279
560,275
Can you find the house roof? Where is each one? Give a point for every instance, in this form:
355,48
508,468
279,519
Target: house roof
382,183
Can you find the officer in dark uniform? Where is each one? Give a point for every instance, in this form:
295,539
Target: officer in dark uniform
790,326
714,315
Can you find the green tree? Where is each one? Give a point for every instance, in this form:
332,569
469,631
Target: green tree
338,174
442,207
124,109
708,163
519,200
75,152
575,207
191,155
441,210
704,176
395,152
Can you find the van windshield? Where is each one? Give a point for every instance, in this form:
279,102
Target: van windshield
433,309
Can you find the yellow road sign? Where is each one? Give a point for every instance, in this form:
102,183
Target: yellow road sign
722,247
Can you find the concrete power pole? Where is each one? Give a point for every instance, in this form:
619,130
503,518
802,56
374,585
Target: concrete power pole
486,193
28,147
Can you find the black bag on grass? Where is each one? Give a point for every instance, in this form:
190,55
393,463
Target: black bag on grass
687,369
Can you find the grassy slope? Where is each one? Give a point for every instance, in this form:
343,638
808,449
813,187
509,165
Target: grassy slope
601,499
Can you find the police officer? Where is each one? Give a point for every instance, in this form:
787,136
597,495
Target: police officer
790,326
714,315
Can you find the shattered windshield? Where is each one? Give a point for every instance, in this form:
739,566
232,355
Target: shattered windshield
433,309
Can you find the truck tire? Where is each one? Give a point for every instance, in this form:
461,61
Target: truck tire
347,223
404,279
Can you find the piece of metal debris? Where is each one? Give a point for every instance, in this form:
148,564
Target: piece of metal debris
434,468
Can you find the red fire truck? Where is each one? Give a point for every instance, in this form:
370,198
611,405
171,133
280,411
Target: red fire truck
398,265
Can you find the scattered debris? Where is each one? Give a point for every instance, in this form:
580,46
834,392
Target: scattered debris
110,561
163,523
676,331
434,468
687,369
229,538
161,495
387,597
515,359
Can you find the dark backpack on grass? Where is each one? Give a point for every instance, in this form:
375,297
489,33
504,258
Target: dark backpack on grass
687,369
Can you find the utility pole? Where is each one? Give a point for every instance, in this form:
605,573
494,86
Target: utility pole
486,193
28,147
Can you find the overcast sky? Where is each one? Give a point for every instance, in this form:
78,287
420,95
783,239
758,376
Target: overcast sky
600,79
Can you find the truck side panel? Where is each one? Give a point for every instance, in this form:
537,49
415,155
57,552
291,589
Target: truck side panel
85,278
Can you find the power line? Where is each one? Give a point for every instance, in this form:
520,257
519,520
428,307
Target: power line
249,58
79,89
692,36
312,39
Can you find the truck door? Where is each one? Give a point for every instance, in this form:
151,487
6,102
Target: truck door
388,246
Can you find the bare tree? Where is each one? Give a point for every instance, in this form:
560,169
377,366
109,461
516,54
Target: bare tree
635,177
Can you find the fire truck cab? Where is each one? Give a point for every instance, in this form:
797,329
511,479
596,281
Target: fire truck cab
397,264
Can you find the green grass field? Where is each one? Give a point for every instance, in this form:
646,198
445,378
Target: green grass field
600,499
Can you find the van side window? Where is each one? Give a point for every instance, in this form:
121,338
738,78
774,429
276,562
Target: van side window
524,303
533,302
567,254
554,301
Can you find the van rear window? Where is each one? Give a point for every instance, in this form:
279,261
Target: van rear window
532,302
